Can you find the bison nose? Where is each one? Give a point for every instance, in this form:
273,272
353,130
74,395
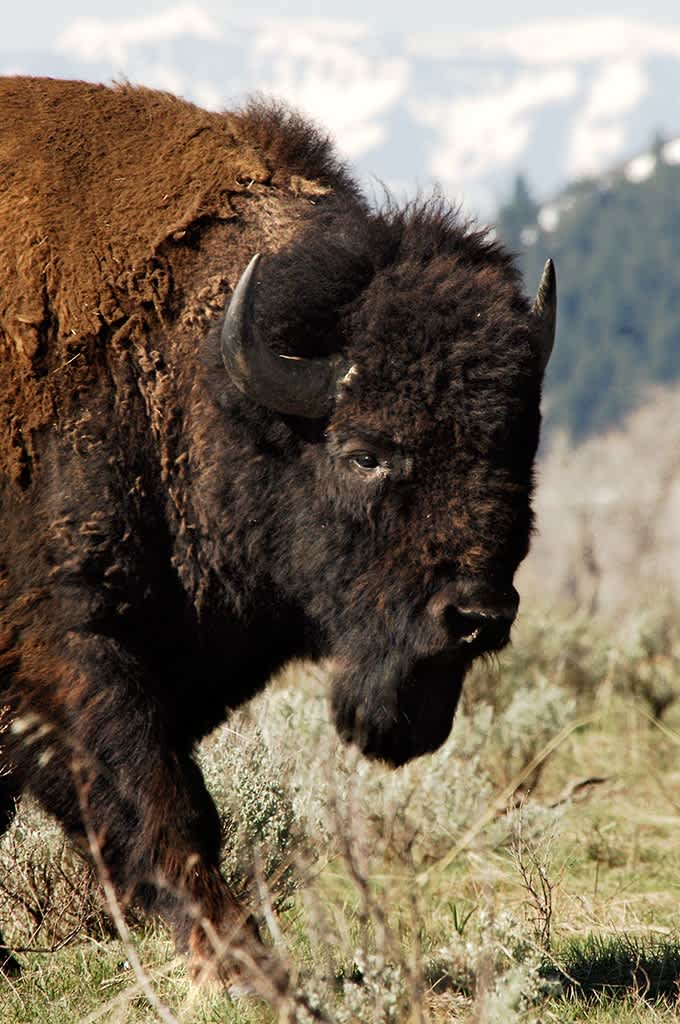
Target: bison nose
471,613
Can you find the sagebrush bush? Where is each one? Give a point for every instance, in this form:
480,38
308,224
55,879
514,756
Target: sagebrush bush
497,964
260,829
48,892
416,813
648,657
571,651
375,992
534,715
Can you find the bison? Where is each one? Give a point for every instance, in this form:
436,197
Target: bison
245,416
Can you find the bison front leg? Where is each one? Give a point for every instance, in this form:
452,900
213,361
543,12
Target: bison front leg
91,742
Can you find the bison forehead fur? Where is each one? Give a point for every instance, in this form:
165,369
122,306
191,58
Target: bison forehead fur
170,538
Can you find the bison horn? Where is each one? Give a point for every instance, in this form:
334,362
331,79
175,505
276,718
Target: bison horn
544,314
286,384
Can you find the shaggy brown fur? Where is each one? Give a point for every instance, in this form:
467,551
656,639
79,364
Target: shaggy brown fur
167,544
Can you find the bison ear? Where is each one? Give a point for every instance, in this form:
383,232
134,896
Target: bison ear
296,387
544,314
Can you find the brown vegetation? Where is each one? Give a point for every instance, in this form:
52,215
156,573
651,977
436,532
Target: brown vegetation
608,515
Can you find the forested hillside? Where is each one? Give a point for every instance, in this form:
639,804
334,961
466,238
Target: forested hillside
616,244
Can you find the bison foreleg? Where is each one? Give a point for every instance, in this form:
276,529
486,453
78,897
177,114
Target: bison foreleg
91,743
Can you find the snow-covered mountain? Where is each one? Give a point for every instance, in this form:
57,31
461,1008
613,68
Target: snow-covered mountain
554,100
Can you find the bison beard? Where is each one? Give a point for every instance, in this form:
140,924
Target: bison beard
400,718
185,508
395,708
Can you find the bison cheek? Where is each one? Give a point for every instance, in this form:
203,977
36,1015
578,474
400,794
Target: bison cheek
400,722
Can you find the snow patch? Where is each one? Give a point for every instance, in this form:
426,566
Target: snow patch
548,217
528,236
671,152
555,41
640,168
343,88
598,134
93,39
206,95
482,132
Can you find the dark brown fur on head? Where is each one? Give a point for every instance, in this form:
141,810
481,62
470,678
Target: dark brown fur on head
445,382
168,542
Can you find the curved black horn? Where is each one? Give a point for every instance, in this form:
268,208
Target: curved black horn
544,313
297,387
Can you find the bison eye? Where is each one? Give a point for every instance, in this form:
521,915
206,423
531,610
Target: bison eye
365,460
368,459
368,464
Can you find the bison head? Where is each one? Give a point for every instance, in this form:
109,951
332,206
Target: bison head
405,500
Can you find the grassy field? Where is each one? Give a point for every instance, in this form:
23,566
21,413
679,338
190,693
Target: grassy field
527,872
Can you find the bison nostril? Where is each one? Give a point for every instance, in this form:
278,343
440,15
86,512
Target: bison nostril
464,625
486,621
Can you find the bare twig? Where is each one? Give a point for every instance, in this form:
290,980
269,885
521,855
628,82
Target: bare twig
577,789
533,871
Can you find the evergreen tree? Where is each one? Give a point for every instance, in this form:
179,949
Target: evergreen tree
517,217
617,251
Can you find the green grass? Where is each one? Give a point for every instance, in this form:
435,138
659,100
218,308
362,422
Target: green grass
89,982
608,965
